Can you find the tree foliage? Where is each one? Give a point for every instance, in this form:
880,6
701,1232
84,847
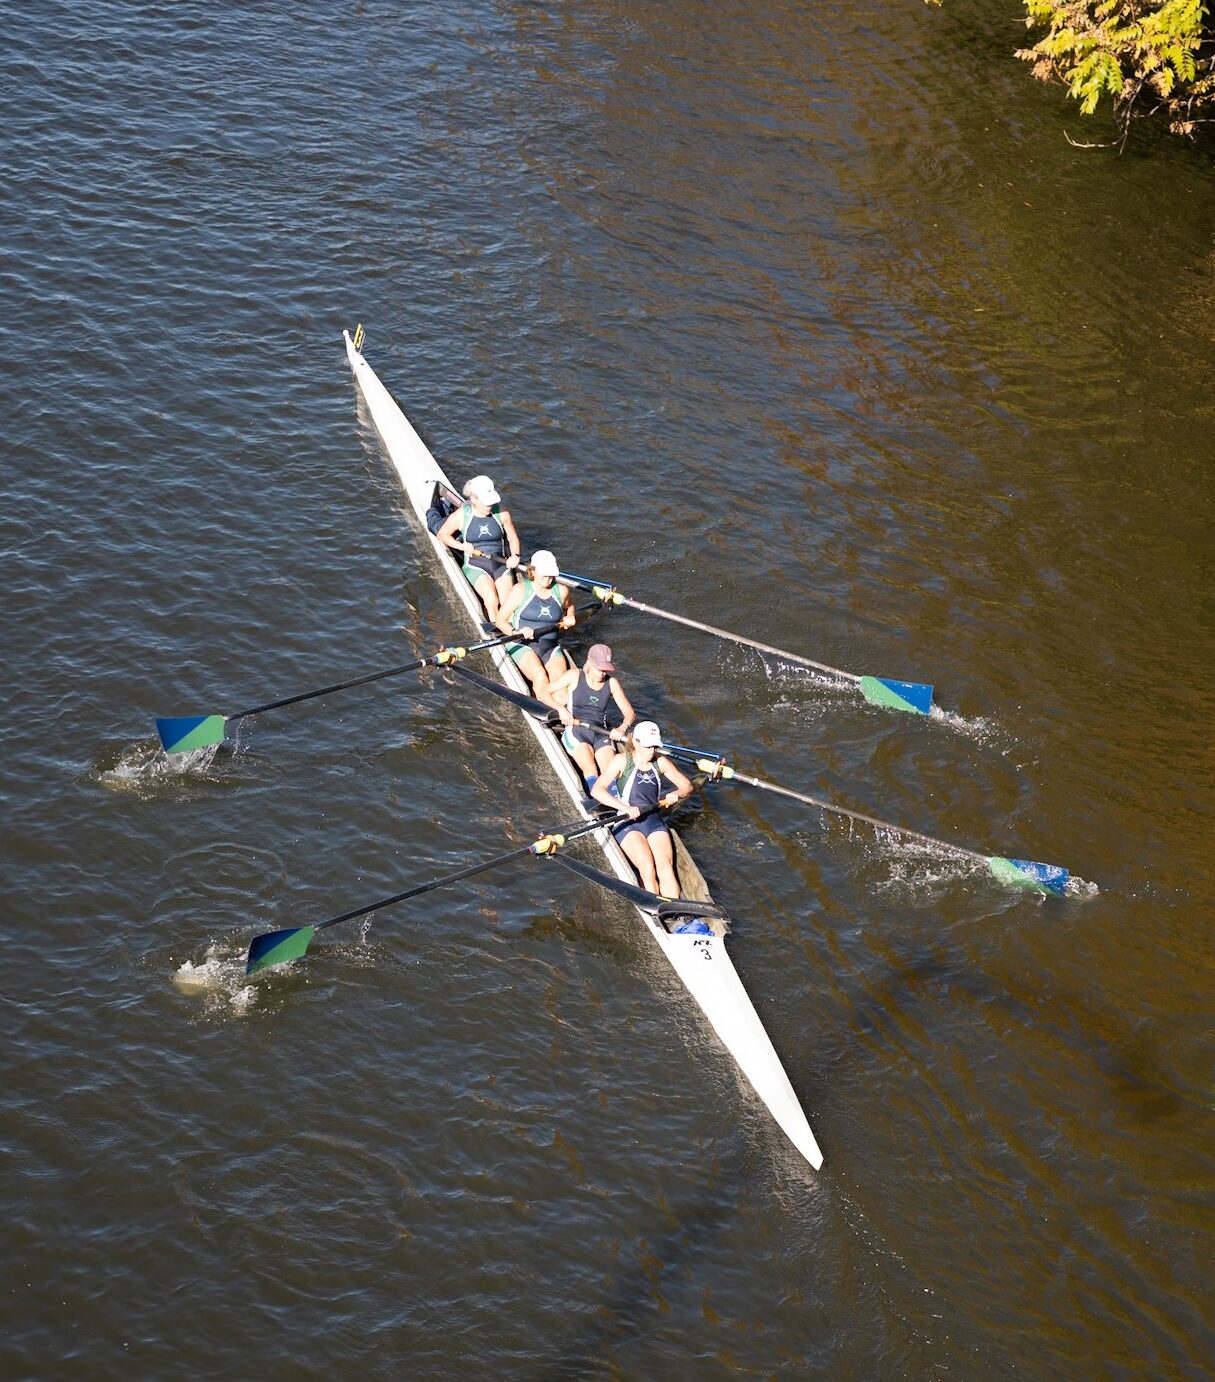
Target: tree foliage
1146,56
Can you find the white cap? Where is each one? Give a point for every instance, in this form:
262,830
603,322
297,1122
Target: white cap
648,735
544,563
481,488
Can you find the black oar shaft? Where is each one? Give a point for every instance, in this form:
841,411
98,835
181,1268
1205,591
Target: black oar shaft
337,686
568,832
414,666
529,704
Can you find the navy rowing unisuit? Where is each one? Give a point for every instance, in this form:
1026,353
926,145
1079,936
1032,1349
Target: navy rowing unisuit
535,612
488,536
640,787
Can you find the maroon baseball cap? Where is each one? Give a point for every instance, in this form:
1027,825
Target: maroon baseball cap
601,655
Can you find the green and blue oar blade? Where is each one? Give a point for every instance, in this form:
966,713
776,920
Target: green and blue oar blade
278,947
912,696
180,734
1025,873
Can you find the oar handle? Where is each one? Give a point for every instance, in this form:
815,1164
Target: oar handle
611,596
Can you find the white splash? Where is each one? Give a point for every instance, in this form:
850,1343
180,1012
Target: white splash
1080,887
145,766
218,979
977,727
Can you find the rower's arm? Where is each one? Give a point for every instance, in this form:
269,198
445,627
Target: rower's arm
570,617
605,779
558,694
513,545
447,532
683,787
625,707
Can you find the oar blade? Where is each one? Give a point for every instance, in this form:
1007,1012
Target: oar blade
912,696
180,734
1025,873
278,947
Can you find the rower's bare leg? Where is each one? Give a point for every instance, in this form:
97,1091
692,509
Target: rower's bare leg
664,863
488,592
637,852
503,586
585,759
604,755
554,668
528,662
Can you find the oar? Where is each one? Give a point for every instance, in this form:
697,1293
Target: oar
533,706
278,947
912,696
661,907
1020,873
181,733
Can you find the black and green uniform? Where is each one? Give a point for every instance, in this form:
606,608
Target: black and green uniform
535,611
487,535
639,787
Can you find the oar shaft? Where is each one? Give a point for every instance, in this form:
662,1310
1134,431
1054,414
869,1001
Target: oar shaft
568,832
616,598
853,815
328,690
427,887
740,638
389,672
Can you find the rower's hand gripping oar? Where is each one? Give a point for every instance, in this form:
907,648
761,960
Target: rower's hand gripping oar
179,734
912,696
1018,873
290,943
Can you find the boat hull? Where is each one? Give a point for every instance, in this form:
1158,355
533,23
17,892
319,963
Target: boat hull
701,962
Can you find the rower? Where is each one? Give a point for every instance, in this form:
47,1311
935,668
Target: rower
584,696
487,541
632,781
539,600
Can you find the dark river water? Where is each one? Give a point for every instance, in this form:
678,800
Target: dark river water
804,320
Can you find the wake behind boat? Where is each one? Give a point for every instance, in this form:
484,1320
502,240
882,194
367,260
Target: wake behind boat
701,960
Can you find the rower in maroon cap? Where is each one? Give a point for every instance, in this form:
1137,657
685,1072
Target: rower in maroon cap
586,696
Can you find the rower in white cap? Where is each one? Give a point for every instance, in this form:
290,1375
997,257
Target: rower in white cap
584,696
483,533
531,609
632,781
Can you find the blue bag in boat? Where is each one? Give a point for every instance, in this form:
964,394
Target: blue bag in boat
440,507
691,926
